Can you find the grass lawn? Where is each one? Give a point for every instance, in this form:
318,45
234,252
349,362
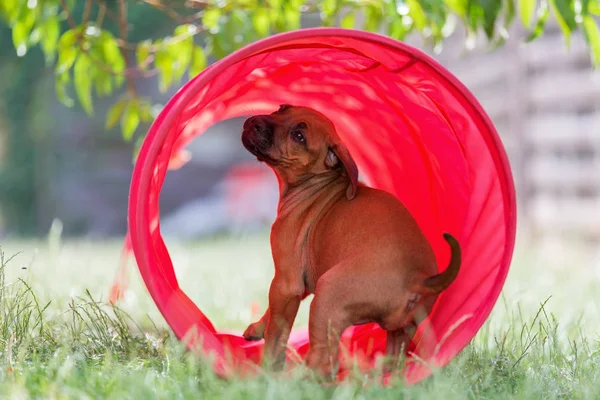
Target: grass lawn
76,347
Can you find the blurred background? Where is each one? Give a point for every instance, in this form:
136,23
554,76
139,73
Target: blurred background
63,171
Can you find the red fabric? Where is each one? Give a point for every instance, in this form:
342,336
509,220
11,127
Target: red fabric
413,129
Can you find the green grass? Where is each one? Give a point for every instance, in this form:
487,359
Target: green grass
58,339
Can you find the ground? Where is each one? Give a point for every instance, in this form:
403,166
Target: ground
76,347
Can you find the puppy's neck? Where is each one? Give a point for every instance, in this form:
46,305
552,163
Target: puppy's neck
304,192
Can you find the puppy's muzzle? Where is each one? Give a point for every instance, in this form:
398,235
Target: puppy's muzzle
257,136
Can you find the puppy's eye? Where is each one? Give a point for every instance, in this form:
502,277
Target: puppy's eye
298,132
298,136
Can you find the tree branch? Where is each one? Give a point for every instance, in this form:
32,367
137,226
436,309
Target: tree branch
196,3
123,36
101,13
70,19
111,14
86,12
168,10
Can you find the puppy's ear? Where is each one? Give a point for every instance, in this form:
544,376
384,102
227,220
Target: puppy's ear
337,154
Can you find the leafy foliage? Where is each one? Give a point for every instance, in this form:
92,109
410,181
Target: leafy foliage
96,59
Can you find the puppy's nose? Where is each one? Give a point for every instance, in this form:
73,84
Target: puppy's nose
258,124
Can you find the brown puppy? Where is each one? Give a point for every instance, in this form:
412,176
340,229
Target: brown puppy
357,249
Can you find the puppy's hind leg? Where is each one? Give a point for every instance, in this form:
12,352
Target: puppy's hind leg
326,324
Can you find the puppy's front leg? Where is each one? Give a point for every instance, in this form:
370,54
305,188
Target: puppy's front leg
285,296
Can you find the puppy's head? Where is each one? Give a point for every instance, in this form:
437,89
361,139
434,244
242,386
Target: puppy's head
298,142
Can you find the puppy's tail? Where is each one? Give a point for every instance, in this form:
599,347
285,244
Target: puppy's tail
437,283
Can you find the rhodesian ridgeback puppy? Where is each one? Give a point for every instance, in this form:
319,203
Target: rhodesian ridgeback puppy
357,249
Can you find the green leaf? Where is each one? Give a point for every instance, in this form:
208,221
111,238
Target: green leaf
130,121
235,21
584,7
61,82
20,34
538,29
594,7
21,31
112,53
50,30
66,58
10,9
145,111
185,33
329,7
222,44
291,17
103,83
67,51
373,18
142,52
472,18
459,7
417,14
565,16
435,13
212,47
164,64
115,113
328,10
34,36
261,21
491,9
526,10
82,78
181,53
68,38
185,29
391,10
592,35
181,49
198,61
211,18
509,13
349,20
106,48
396,29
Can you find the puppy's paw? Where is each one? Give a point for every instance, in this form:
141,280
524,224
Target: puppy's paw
320,368
254,332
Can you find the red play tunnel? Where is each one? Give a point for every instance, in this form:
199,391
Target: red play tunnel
414,131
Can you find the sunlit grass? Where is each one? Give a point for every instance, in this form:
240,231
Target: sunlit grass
58,339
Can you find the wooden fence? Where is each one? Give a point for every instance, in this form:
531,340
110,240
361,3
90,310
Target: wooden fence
545,102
